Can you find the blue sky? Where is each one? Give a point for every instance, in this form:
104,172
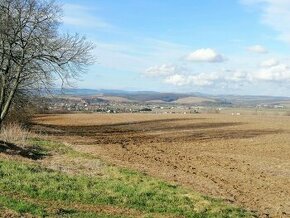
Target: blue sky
211,46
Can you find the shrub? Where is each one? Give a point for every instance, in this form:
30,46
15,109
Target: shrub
14,133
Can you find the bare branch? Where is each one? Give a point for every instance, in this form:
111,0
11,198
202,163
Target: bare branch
33,54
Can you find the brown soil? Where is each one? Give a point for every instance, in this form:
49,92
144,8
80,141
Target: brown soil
242,159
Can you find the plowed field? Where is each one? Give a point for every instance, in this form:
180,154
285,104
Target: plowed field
242,159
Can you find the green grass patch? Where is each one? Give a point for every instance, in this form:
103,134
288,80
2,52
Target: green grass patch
90,215
21,207
51,147
120,188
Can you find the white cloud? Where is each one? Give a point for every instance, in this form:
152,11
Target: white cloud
236,76
164,70
83,22
138,54
205,55
269,63
80,16
258,49
177,80
278,73
276,14
202,79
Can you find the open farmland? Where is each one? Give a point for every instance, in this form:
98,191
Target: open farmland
242,159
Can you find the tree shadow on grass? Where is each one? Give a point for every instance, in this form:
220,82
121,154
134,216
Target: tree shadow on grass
31,152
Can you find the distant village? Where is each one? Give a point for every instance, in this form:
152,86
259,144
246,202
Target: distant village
76,104
68,104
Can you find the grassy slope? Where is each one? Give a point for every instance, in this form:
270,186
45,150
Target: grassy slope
27,187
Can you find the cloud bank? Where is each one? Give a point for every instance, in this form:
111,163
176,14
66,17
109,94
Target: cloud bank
268,71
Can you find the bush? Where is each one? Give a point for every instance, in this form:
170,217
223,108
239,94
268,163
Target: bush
14,133
20,114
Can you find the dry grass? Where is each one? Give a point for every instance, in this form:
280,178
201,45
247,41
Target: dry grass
14,133
287,113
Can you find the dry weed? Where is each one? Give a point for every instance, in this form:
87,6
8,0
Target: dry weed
14,133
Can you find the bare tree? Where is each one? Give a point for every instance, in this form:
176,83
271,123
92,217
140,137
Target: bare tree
33,52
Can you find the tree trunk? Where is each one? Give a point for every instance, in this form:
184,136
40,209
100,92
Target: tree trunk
2,95
7,103
1,125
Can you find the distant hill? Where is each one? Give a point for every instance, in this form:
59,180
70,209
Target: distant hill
193,100
114,99
174,98
152,96
254,100
88,92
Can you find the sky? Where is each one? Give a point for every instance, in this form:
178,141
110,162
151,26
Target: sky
239,47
